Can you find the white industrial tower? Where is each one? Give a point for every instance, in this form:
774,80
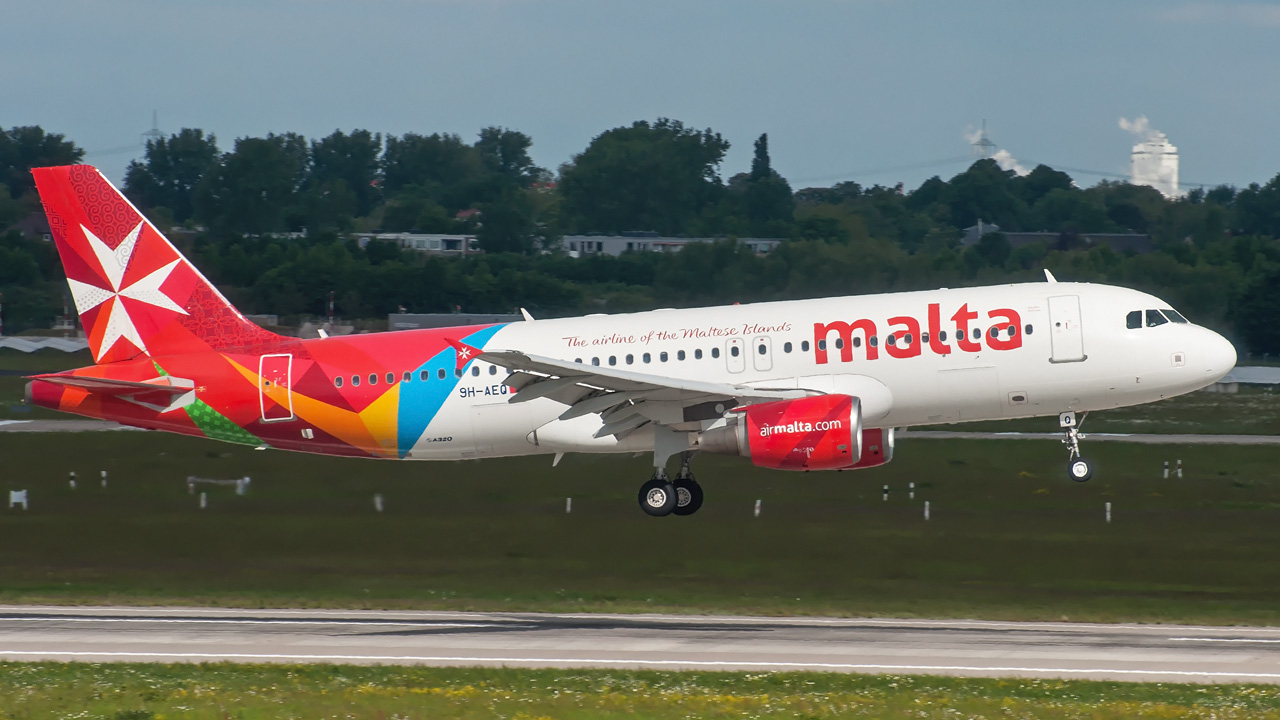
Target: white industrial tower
1155,163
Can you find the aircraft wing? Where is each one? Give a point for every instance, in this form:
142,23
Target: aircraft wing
625,399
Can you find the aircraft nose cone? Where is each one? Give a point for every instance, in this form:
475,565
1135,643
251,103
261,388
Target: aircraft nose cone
1219,355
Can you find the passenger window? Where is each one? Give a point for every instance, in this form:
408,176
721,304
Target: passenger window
891,340
1012,330
839,343
647,358
1175,316
373,378
1133,320
408,375
1154,318
423,375
595,361
977,333
337,382
613,359
697,354
761,349
924,337
475,371
822,344
440,373
631,359
457,372
786,347
493,369
578,360
391,378
995,332
715,352
804,346
1026,331
679,354
355,381
662,356
942,335
734,351
873,341
857,342
906,339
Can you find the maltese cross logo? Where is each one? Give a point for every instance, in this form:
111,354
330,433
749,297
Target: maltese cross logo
113,264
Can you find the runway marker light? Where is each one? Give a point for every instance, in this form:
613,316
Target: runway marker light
1108,511
886,493
104,478
568,505
71,480
926,511
377,502
18,497
204,501
1166,469
757,508
911,491
1179,468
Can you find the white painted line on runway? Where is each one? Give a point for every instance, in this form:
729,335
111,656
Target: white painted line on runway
630,661
236,621
1225,640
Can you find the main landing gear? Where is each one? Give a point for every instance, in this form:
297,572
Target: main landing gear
663,496
1078,468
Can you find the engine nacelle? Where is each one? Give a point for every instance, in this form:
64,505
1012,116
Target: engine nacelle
877,448
823,432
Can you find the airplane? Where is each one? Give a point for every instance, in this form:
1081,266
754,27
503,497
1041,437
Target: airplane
797,385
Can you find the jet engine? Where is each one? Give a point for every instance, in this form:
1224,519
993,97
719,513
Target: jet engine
822,432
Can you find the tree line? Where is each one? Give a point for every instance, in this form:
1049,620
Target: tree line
1217,255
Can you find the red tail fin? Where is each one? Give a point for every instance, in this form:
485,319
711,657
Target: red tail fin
136,294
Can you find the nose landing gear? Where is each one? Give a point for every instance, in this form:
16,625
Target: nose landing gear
1078,468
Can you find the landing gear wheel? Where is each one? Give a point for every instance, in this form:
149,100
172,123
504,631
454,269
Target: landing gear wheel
1080,470
688,496
658,497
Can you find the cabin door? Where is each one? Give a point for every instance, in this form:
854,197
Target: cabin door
275,391
1066,335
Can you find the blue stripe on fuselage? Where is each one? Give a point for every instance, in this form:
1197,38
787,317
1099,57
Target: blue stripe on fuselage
420,401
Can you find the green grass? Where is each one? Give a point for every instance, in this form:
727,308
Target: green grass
14,365
1010,536
253,692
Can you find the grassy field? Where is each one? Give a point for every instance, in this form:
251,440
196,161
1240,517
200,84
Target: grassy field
1010,536
253,692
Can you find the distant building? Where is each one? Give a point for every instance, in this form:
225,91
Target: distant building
1136,243
580,245
422,321
436,244
1155,163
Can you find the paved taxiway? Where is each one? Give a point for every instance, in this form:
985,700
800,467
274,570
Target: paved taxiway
673,642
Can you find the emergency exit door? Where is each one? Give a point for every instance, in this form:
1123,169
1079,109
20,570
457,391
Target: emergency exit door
275,393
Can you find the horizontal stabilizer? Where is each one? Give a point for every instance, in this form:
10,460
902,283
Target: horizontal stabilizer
108,386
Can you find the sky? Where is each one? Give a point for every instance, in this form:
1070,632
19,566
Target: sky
876,91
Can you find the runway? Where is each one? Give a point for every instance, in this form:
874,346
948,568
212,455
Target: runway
665,642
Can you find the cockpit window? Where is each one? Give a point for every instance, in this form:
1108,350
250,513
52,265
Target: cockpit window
1154,318
1174,315
1133,320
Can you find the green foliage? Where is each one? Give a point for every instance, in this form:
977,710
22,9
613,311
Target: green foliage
173,169
649,176
23,148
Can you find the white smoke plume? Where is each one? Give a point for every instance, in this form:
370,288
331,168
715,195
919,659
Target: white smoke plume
1007,162
1003,157
1139,126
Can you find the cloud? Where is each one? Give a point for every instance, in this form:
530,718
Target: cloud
1139,126
1251,14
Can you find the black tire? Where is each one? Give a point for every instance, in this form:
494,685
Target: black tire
657,497
688,496
1080,470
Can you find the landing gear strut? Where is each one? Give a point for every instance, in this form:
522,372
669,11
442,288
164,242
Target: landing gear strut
1078,468
688,491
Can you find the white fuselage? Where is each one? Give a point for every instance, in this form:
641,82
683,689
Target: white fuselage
1058,347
